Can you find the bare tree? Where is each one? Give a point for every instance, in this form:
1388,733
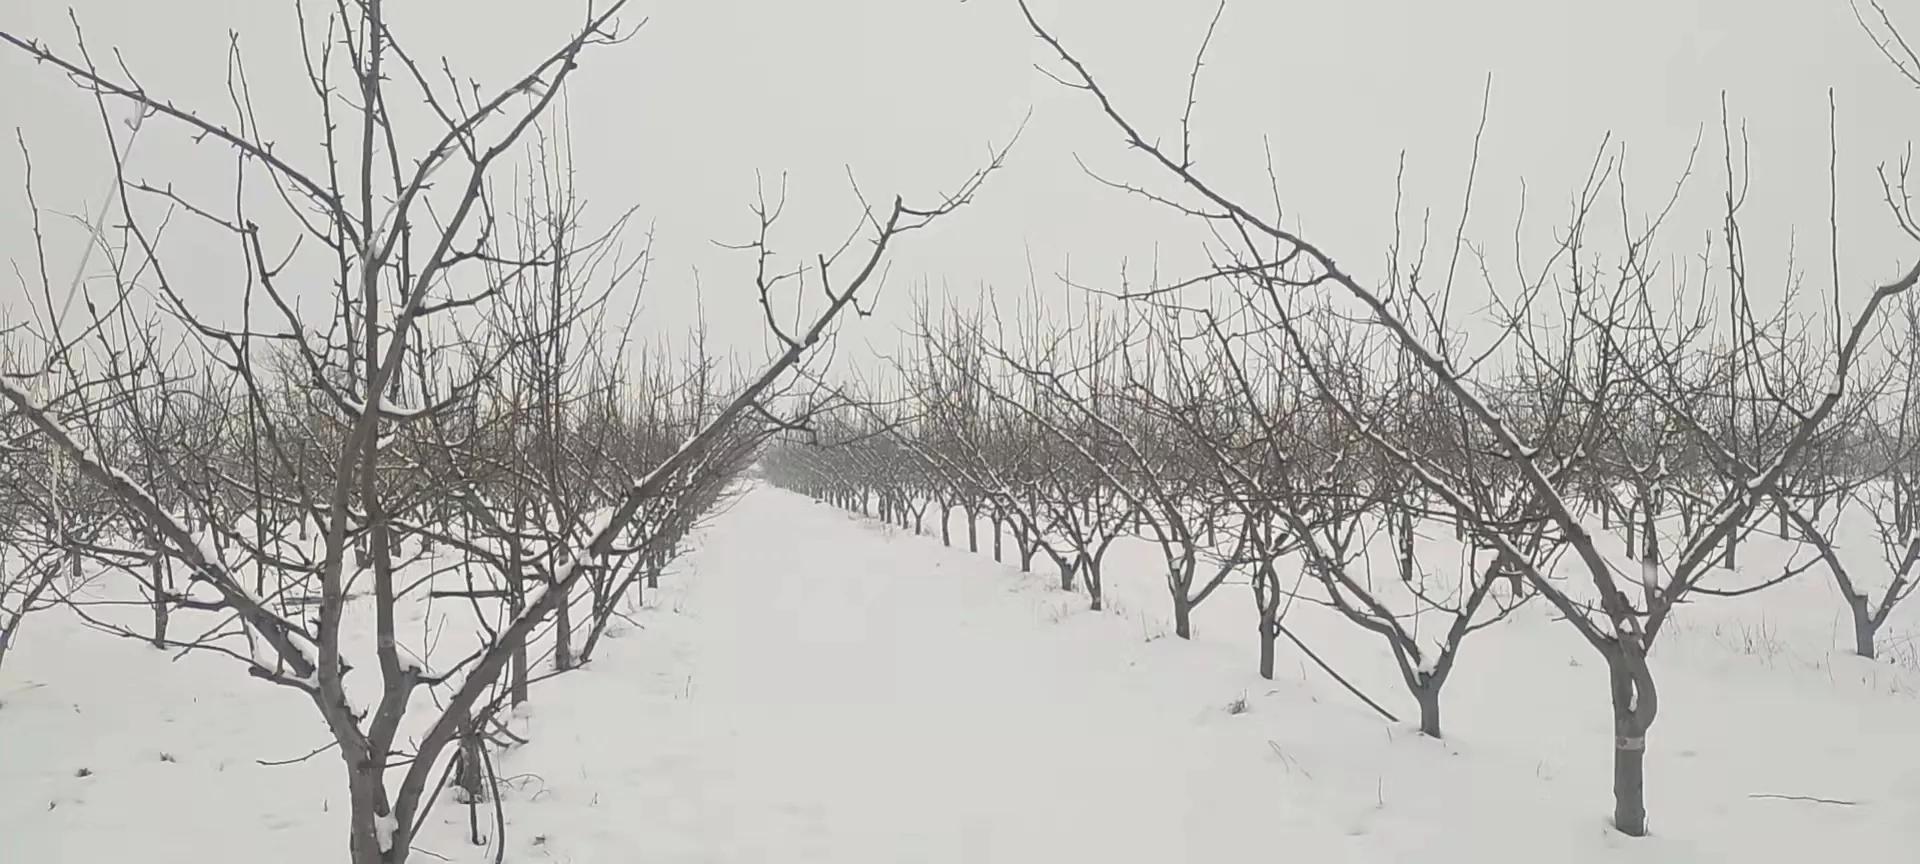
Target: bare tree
1276,263
389,365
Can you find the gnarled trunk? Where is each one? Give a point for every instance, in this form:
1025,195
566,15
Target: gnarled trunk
160,568
562,628
1863,625
364,794
1269,633
517,603
1266,599
1428,696
469,775
1629,755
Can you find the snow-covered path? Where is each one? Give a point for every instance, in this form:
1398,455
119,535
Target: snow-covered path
818,687
841,696
811,686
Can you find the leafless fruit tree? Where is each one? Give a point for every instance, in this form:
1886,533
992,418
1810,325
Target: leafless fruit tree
370,468
1610,349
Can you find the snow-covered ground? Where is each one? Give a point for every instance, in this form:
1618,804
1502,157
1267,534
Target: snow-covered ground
809,686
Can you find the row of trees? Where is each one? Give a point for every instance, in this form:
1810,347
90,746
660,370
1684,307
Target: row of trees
1604,447
441,488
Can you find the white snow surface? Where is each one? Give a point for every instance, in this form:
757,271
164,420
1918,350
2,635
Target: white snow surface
384,827
810,686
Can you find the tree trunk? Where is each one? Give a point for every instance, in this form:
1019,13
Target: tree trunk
159,568
1269,633
1066,575
973,531
1428,695
1629,756
1095,594
6,636
1406,546
562,629
1182,614
997,526
1863,625
8,626
363,803
517,602
468,773
946,526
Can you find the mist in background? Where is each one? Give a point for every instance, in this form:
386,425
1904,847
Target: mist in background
906,97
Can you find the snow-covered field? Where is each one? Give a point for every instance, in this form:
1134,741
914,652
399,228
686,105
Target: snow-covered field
810,686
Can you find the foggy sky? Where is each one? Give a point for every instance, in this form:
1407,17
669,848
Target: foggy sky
909,94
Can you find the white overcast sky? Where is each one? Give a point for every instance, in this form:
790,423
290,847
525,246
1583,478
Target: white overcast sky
910,93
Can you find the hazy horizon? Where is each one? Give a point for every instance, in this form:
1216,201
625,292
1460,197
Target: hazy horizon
908,96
